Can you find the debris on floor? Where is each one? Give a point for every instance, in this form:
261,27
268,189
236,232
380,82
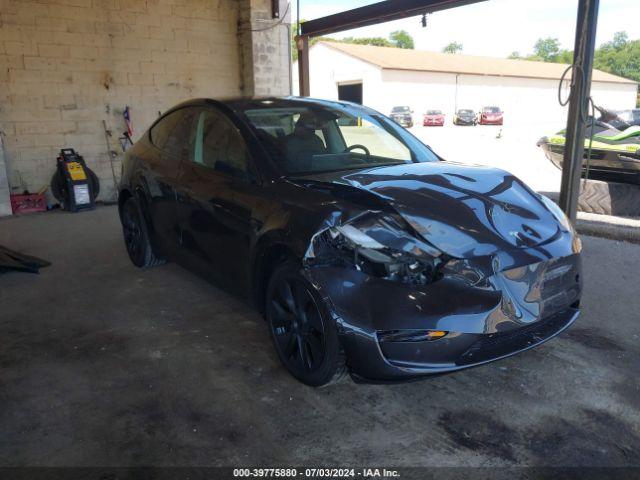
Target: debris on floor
18,262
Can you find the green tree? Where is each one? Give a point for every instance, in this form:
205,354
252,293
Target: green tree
547,49
565,56
620,56
375,41
402,39
620,40
453,47
399,39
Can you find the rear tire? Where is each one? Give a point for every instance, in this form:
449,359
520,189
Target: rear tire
303,332
136,236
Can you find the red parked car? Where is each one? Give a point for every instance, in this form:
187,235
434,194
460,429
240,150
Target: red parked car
433,118
491,116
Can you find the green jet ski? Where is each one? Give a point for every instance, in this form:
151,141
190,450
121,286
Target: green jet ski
615,154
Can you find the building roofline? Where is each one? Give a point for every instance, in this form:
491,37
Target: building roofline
615,79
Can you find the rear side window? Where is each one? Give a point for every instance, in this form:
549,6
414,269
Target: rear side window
161,130
171,133
177,144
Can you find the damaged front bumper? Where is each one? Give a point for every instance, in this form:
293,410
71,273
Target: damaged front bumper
532,296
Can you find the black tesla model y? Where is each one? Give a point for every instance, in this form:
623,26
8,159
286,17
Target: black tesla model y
366,252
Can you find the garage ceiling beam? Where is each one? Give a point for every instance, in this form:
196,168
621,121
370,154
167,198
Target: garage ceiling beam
377,13
361,17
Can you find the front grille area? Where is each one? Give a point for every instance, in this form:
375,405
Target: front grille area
548,295
560,285
543,289
503,343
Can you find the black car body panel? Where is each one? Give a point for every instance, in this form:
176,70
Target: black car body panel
486,201
509,269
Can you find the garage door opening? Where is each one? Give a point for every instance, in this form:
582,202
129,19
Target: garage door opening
350,93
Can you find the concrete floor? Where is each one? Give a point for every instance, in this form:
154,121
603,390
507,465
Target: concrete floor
104,364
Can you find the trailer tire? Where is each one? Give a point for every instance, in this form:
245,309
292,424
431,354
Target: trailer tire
609,198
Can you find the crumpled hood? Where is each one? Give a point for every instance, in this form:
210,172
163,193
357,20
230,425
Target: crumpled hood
464,211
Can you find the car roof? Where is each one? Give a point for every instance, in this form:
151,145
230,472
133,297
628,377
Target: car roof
247,103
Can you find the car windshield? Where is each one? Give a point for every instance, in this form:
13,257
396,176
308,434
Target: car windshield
434,112
315,138
400,110
465,112
491,110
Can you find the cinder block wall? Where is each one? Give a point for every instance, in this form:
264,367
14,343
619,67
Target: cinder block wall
68,65
266,53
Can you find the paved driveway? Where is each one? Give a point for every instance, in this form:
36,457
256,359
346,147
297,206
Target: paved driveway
512,148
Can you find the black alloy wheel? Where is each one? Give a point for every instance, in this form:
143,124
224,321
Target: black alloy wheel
303,333
136,237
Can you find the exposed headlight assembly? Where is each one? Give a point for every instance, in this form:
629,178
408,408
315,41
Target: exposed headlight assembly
378,246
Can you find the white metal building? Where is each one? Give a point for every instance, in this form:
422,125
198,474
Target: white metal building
383,77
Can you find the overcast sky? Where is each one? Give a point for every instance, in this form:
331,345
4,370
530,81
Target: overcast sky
491,28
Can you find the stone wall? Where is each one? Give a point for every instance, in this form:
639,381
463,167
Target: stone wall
266,48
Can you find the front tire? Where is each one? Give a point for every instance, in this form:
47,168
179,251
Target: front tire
136,236
303,332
